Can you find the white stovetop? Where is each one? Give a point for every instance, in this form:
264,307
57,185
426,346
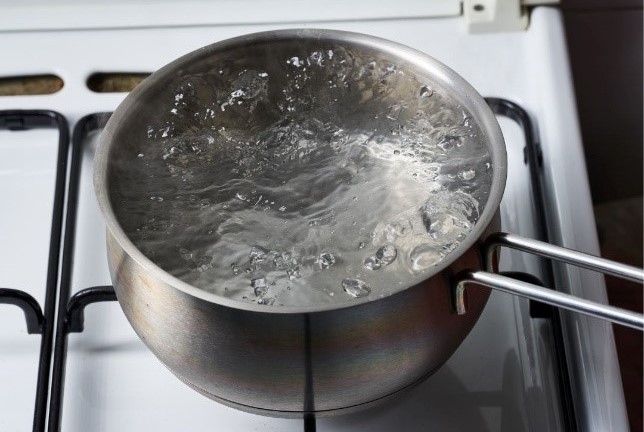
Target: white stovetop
500,378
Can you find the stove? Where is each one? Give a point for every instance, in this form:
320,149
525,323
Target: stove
69,360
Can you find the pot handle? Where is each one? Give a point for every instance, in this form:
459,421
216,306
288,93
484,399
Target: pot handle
566,301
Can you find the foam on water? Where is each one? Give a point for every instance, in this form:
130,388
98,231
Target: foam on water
335,177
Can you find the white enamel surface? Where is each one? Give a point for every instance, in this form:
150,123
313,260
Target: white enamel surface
590,342
501,378
79,14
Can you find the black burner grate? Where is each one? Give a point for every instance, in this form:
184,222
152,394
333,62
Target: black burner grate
70,317
37,321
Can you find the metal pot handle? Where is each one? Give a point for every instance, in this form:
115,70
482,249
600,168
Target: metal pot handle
506,284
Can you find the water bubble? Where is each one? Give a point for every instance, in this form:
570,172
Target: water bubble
268,301
424,257
467,175
387,254
316,57
235,269
361,245
294,273
326,260
449,215
257,254
450,142
295,61
240,196
372,263
185,254
394,112
260,288
426,91
279,262
355,287
444,225
203,263
156,198
397,229
282,209
140,155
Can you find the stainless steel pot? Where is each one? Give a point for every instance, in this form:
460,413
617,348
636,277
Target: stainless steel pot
284,361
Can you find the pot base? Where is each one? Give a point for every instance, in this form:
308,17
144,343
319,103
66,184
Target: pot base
299,414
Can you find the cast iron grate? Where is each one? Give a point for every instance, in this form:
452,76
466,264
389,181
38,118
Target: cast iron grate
39,321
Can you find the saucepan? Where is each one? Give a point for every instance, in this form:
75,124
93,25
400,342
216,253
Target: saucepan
329,358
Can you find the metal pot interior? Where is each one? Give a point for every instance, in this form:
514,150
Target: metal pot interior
238,88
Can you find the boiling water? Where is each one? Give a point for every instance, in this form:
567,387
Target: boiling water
329,178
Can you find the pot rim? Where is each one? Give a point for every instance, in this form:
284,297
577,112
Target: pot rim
462,91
